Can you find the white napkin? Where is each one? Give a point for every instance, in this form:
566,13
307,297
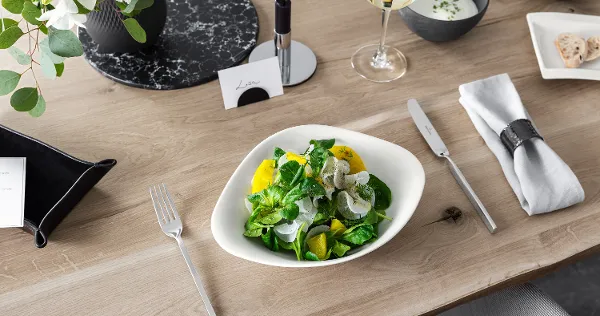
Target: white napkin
541,180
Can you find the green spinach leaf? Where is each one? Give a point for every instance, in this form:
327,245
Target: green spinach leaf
312,188
290,211
311,256
274,195
326,211
318,156
359,236
270,240
340,249
293,195
283,244
383,195
277,153
298,243
268,198
252,229
289,174
270,218
324,143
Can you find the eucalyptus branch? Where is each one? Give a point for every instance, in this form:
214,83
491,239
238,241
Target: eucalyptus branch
37,41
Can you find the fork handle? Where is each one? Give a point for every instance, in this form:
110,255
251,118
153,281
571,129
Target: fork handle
197,280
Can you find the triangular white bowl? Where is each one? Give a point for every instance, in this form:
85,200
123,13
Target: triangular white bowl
394,165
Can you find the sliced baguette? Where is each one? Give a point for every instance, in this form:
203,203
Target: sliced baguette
572,49
593,48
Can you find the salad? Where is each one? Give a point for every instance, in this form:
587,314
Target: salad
319,204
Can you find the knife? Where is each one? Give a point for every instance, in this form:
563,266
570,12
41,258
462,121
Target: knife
439,148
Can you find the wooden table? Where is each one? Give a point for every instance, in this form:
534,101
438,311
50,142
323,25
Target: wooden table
109,257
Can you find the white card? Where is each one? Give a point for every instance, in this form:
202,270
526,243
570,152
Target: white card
12,191
263,74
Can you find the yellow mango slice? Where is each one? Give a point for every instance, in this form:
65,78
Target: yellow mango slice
337,226
318,245
291,156
348,154
263,176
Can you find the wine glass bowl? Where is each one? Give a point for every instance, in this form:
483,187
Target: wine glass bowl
379,62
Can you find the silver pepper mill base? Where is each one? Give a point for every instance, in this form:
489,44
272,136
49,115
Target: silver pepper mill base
297,62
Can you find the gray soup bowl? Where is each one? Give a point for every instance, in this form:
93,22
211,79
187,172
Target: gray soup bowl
438,30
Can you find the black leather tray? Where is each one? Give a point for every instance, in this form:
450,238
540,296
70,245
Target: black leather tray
55,181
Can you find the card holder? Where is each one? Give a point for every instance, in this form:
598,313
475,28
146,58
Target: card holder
253,95
55,181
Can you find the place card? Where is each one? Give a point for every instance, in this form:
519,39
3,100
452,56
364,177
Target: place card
12,191
252,82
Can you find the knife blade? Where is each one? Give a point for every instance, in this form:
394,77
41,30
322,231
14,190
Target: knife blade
434,141
426,128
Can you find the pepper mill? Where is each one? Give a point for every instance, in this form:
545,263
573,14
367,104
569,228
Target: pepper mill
297,62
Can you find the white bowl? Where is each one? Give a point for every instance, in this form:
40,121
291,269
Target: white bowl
394,165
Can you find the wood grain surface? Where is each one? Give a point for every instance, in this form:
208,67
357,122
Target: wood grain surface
109,257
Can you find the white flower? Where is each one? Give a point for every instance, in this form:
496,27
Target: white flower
64,16
124,1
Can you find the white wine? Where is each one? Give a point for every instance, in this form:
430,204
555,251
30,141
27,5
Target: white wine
391,4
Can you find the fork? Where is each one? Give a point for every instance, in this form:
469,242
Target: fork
170,223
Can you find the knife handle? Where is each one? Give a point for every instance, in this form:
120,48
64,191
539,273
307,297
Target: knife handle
481,210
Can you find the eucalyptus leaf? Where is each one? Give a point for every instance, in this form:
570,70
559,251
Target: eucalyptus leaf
31,12
60,68
135,30
121,5
143,4
40,107
45,48
64,44
6,23
10,36
85,6
48,67
19,55
8,81
13,6
44,29
24,99
130,7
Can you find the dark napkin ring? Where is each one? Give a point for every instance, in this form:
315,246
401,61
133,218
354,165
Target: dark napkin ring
516,133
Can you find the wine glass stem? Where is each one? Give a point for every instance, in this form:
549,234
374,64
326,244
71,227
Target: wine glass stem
380,58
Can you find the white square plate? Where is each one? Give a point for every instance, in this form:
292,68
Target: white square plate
394,165
545,28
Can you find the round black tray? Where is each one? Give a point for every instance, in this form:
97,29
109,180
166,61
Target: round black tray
200,38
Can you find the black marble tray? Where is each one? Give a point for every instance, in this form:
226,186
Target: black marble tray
200,38
55,181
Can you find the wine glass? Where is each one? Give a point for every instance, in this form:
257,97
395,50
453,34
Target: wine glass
378,62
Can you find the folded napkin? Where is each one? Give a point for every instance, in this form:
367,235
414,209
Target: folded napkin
541,180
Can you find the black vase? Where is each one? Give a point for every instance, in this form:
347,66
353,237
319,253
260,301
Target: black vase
106,28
